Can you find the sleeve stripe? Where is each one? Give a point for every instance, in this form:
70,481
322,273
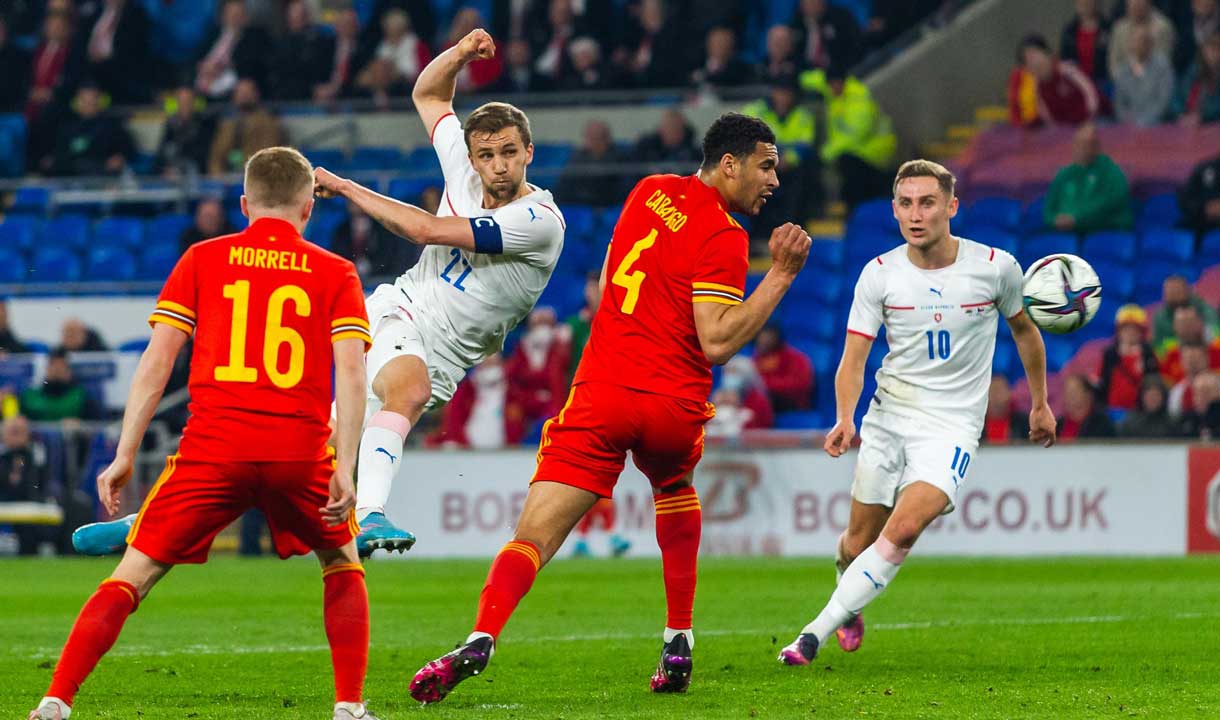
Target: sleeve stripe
716,293
175,307
356,334
172,322
712,299
177,316
350,321
349,328
863,335
436,124
717,286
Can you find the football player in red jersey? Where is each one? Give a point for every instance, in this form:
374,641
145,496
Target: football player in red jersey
272,314
673,304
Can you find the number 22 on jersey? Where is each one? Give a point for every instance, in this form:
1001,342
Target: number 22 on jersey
631,281
274,335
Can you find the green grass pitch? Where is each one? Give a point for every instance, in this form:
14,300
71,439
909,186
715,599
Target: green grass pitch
1037,638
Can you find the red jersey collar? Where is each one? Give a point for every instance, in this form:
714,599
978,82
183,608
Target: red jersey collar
272,227
710,191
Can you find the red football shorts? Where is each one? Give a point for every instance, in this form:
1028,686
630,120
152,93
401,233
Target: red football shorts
586,445
192,501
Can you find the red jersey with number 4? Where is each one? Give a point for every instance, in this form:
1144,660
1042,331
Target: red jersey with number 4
264,306
675,245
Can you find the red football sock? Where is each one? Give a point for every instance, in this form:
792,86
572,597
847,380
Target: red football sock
346,609
93,634
679,523
510,578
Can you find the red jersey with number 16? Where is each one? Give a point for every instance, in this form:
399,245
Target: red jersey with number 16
675,245
264,306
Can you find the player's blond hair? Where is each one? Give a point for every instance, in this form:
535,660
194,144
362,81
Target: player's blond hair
927,168
493,117
278,177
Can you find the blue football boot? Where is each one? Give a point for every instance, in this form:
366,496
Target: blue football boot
378,533
103,538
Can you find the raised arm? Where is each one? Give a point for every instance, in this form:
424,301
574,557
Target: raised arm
1033,356
406,221
147,386
725,329
436,85
849,381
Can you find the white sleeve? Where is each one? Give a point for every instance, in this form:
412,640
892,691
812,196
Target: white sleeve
865,317
532,231
1010,285
450,144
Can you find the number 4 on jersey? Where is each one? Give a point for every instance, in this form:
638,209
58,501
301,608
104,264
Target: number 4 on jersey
631,281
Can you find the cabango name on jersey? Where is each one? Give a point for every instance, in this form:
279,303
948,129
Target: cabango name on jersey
660,204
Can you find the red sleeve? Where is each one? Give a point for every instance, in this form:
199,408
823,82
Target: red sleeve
177,304
348,318
721,263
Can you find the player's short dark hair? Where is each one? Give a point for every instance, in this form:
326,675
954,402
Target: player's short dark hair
927,168
495,116
734,134
277,177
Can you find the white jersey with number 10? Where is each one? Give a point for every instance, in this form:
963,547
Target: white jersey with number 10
940,326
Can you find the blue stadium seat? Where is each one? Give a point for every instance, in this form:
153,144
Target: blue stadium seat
20,232
166,229
1031,217
1115,245
823,286
1160,211
156,262
322,226
801,420
423,159
999,212
996,238
110,263
12,145
1150,278
550,156
862,247
1167,244
328,158
877,213
409,189
122,232
802,321
375,158
67,231
826,252
12,264
33,200
1039,246
137,345
1005,361
236,219
579,219
1209,249
1059,349
55,265
1117,281
17,373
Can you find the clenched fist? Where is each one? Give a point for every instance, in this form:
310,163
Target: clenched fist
327,184
789,248
477,45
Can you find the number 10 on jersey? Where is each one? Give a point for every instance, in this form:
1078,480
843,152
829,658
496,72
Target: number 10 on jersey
938,344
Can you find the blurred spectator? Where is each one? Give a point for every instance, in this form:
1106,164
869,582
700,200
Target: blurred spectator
538,369
481,74
781,57
583,69
723,67
116,36
345,59
601,189
8,341
1065,95
398,60
519,73
1082,417
76,336
731,416
830,35
1003,424
549,39
483,413
1022,93
860,140
374,250
1198,96
59,397
888,19
210,222
1086,40
1127,361
1188,329
1202,418
1140,13
1176,293
1199,198
786,371
1089,194
53,70
1143,86
430,199
1150,418
187,136
1204,22
741,377
799,194
657,53
24,478
14,81
302,56
421,13
90,143
251,128
236,50
580,324
1195,360
672,144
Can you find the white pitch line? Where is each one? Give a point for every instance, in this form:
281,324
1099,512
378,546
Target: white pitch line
45,653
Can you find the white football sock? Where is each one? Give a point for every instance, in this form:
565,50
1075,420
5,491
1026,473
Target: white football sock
670,633
64,710
380,450
839,558
356,709
861,583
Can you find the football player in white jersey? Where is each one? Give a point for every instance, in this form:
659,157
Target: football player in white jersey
940,298
489,253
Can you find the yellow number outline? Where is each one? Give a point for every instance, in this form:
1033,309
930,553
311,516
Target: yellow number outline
275,334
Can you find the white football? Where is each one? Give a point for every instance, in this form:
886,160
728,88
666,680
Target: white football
1062,293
